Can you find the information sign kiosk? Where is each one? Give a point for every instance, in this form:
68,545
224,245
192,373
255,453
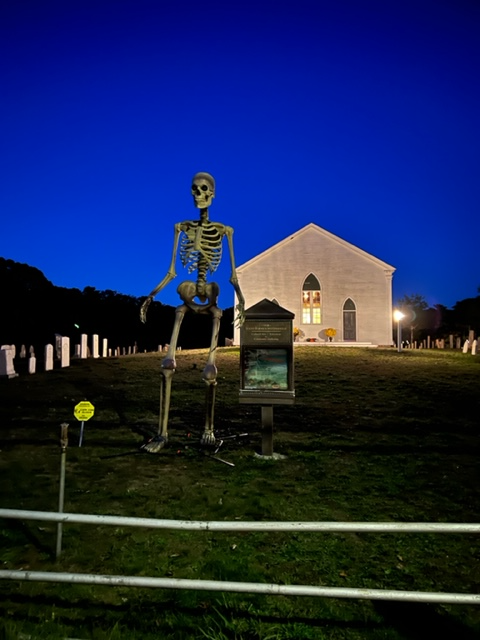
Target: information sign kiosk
266,356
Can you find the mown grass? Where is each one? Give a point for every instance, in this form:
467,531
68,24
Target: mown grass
373,435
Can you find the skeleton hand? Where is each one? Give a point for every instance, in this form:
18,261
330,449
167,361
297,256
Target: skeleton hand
240,317
144,308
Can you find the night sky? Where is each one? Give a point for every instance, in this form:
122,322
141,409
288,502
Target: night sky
362,117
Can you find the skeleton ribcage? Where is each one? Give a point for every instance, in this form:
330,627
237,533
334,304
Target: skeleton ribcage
201,248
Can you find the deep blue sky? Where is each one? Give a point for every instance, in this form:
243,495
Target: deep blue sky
363,117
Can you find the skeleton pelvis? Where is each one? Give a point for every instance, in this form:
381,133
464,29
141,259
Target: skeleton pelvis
207,293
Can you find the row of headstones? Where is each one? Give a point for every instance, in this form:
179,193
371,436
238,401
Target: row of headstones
440,343
62,349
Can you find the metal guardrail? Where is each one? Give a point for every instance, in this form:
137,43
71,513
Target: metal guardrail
242,587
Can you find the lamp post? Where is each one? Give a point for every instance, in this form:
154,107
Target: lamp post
397,316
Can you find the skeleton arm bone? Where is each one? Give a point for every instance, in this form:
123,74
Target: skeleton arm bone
240,308
171,274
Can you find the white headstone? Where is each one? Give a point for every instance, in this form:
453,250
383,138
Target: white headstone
104,348
474,348
23,351
65,352
465,346
83,345
6,362
32,364
129,351
109,353
95,345
48,357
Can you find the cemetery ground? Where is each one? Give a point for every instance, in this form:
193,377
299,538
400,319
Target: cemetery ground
374,435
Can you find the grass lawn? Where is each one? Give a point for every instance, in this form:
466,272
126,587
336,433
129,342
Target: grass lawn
374,435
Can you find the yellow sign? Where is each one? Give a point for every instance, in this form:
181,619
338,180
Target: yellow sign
84,411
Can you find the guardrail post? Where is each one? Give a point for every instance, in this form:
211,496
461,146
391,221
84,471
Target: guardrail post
61,495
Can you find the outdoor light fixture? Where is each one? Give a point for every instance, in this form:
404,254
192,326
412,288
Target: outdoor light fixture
397,316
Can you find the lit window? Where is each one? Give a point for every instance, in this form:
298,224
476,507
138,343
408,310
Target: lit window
311,301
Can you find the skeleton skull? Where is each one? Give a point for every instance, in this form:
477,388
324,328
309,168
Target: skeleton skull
203,190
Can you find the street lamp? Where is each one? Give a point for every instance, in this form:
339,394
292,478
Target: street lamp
397,316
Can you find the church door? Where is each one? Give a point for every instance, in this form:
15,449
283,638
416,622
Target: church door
349,321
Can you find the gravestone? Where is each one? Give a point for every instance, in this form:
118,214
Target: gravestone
65,352
474,348
23,351
458,343
83,345
77,351
471,336
104,348
6,362
466,346
95,345
48,357
32,364
450,341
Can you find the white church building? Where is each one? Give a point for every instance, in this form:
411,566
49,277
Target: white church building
327,283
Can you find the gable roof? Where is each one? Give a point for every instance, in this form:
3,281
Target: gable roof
323,232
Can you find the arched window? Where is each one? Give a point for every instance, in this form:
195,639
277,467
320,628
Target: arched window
311,301
349,320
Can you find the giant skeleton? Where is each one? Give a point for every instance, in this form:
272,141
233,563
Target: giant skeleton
201,251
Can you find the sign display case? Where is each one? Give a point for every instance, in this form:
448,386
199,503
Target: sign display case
266,355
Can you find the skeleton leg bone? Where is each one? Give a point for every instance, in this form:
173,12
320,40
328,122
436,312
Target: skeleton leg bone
210,377
168,369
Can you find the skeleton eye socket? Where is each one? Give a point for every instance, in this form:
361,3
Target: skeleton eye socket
204,187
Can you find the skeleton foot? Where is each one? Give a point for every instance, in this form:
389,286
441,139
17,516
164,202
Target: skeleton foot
208,439
156,444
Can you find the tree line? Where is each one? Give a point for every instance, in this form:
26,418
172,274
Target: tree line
33,310
421,320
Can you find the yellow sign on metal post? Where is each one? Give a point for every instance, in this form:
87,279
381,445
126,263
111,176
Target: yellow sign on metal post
83,411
